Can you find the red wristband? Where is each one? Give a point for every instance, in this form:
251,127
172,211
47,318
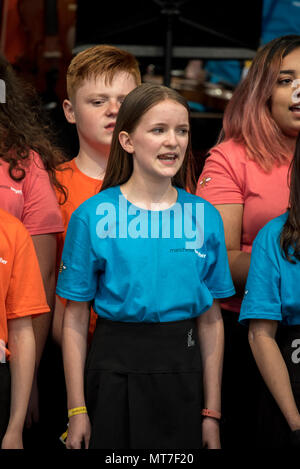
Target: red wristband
211,413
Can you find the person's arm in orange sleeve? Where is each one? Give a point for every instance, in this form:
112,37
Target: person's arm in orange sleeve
25,298
21,344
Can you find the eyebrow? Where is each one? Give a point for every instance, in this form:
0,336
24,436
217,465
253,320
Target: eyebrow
165,123
104,95
291,72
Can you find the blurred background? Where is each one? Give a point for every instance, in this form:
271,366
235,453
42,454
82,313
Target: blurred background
202,49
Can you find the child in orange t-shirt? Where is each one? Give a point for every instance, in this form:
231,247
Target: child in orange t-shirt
98,79
22,296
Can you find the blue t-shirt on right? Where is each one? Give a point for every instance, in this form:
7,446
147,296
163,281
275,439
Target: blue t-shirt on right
272,288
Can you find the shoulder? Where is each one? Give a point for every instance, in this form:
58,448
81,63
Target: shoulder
36,161
272,229
268,238
230,151
12,226
65,170
70,164
209,211
110,195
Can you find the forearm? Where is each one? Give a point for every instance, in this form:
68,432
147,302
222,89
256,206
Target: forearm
275,374
45,246
57,322
22,360
74,346
211,338
239,263
41,324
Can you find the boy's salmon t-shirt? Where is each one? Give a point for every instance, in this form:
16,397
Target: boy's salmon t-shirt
21,286
79,188
230,177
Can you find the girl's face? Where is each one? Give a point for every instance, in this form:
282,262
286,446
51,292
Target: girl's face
285,99
159,142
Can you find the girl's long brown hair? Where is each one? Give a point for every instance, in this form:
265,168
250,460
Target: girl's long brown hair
248,118
290,234
24,126
136,104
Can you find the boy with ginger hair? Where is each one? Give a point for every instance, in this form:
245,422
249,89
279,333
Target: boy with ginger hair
98,79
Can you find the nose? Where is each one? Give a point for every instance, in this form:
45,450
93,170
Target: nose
171,138
113,107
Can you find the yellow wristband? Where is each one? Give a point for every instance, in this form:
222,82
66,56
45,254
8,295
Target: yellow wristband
77,411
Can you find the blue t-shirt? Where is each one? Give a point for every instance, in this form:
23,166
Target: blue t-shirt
143,265
272,288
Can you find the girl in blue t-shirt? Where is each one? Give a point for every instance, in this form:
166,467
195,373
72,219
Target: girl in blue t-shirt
152,259
272,306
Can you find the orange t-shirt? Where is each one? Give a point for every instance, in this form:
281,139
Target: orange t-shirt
80,187
21,285
229,177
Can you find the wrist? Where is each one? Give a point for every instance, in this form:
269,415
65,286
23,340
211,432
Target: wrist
211,414
77,411
294,424
15,427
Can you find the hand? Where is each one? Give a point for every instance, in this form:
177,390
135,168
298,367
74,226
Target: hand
33,414
211,433
12,440
79,431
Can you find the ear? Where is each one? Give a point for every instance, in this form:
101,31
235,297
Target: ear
69,111
125,141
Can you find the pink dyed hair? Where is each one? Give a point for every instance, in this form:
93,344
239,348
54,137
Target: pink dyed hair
247,117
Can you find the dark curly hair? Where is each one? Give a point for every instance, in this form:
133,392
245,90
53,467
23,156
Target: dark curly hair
25,126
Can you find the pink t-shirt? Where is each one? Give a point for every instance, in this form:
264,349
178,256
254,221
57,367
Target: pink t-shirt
32,200
229,177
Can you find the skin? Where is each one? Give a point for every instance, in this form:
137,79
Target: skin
21,343
74,346
162,130
211,339
273,368
283,97
45,248
94,109
262,332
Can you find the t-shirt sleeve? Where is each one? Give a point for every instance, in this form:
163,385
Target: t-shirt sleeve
219,182
218,277
41,213
262,293
78,273
26,294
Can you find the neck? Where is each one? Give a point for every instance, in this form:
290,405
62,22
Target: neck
92,162
158,195
291,143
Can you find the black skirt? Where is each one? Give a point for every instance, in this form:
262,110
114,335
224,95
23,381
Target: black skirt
143,384
4,398
273,429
